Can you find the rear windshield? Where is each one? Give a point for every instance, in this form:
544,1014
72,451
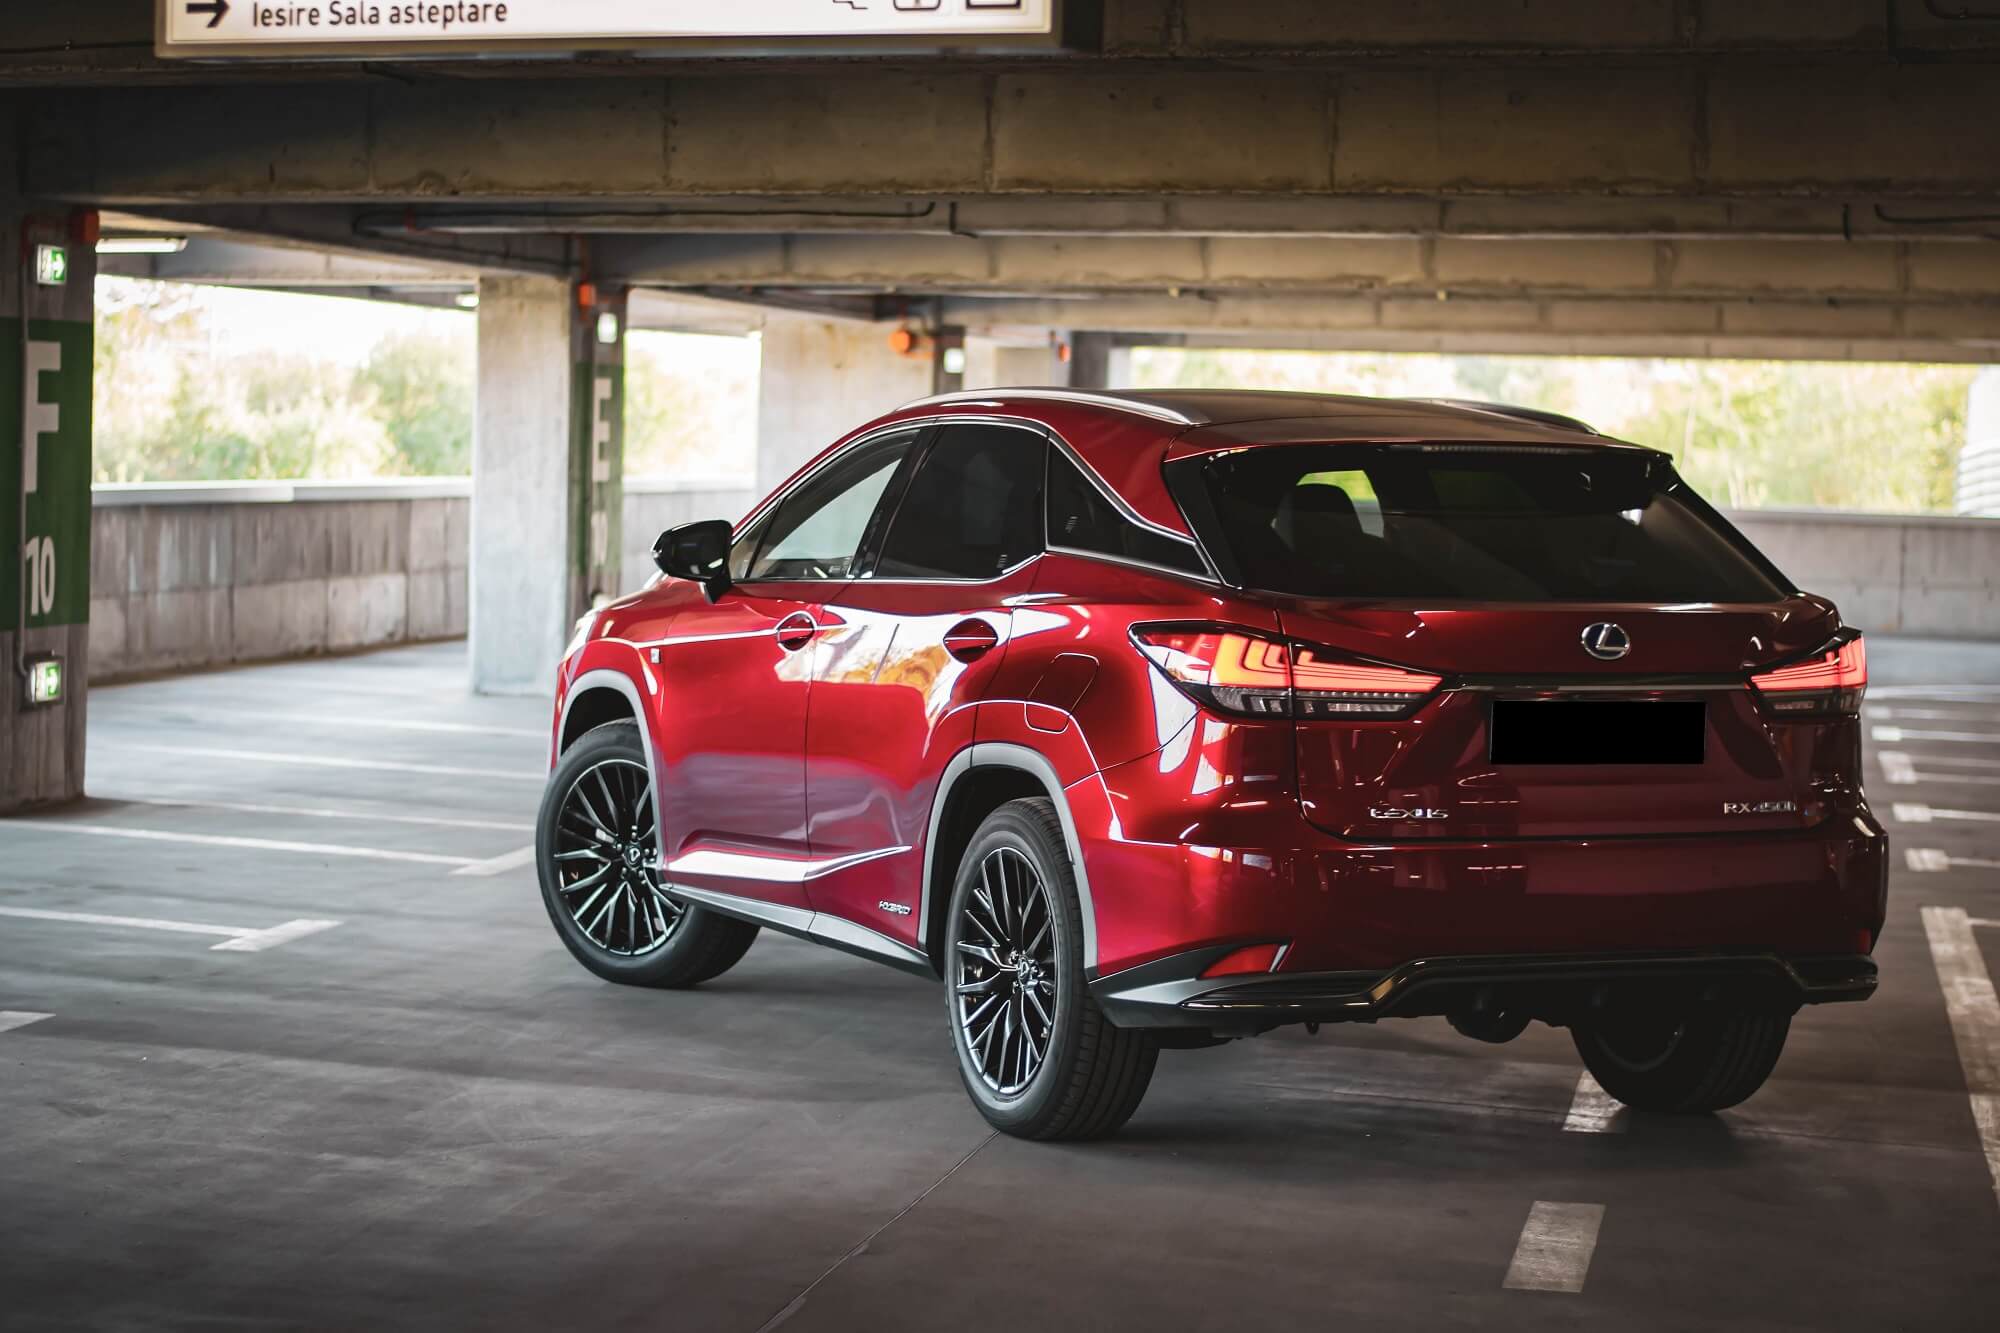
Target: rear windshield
1465,522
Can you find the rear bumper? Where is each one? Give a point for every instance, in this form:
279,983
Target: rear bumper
1561,989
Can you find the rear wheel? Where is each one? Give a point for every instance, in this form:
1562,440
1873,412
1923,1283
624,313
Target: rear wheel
1037,1056
596,847
1683,1065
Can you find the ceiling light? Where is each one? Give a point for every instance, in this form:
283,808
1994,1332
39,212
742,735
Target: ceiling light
142,245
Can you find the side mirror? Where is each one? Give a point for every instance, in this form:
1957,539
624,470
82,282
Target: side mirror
697,551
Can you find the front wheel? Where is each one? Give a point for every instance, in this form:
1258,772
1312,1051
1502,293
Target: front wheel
1037,1056
1683,1065
596,848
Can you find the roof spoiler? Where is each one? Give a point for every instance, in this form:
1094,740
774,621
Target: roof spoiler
1536,415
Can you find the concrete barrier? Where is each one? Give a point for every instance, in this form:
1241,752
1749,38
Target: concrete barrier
1890,573
203,575
654,504
186,576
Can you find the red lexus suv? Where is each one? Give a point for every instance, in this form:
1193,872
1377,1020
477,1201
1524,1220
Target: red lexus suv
1155,720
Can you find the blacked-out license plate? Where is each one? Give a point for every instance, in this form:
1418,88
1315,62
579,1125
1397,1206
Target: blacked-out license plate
1598,731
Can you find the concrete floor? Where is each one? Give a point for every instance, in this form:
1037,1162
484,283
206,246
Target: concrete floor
428,1116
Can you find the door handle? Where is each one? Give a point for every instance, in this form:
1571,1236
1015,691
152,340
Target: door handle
795,631
970,640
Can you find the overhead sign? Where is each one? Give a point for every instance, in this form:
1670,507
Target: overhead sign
224,29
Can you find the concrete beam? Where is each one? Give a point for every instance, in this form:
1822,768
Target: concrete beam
1500,217
1733,129
1862,271
240,263
1575,326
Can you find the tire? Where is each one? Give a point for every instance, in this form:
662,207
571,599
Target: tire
1691,1066
590,883
1090,1075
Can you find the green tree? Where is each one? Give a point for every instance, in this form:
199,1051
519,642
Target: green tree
422,389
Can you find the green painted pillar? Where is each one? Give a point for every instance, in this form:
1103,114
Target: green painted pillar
48,266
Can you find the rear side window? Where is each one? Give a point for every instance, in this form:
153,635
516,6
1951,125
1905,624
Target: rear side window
1081,518
1467,523
973,510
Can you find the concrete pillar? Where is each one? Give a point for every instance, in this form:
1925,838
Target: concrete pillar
547,475
1098,363
44,455
992,365
822,378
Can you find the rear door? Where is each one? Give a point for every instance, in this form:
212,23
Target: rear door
915,640
1591,623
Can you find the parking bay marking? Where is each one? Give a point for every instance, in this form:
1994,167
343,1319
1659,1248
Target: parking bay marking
352,721
1892,735
13,1019
248,844
1974,1011
326,761
1901,770
320,812
236,939
499,865
1930,860
1593,1110
1555,1247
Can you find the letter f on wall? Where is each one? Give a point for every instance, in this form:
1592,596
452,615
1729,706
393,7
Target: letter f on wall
37,417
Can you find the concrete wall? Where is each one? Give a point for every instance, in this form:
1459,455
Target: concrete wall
186,577
1891,574
822,378
653,505
204,575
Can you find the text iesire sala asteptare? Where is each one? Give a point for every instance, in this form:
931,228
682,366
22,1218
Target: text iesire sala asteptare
439,14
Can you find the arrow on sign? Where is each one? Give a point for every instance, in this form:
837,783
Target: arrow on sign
215,9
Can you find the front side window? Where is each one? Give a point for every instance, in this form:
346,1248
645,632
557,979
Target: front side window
1466,523
974,508
816,531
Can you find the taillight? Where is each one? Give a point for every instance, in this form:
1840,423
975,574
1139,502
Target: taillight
1237,671
1831,682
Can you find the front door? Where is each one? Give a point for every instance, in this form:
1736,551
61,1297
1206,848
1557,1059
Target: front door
738,676
918,637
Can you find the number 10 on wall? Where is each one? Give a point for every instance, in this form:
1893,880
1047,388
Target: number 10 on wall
38,574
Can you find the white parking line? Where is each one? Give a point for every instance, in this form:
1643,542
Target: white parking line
1593,1110
248,844
1974,1011
349,720
499,865
1897,768
324,761
1959,761
1891,735
1930,859
11,1019
1941,693
236,939
1555,1247
320,812
1953,714
1900,770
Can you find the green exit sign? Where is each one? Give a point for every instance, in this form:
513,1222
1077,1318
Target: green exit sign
45,681
51,265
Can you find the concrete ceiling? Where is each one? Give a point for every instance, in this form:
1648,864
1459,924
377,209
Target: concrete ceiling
1756,177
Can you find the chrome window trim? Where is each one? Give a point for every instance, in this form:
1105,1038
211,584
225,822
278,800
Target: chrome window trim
1138,407
783,493
1148,566
1029,424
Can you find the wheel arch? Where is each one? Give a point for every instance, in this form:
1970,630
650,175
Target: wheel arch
598,698
979,780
